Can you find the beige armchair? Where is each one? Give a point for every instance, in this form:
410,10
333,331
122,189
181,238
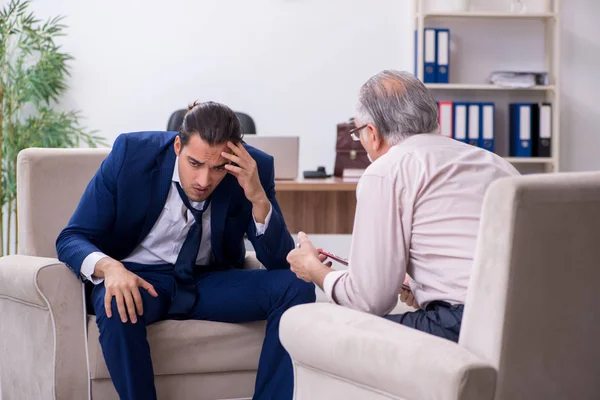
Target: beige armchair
531,325
49,346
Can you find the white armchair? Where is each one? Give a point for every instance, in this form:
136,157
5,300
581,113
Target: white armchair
49,346
530,328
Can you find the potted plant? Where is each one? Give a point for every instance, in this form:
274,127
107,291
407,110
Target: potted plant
33,76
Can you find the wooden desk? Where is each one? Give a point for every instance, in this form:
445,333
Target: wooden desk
318,205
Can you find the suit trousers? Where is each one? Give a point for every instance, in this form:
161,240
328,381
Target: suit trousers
439,318
231,295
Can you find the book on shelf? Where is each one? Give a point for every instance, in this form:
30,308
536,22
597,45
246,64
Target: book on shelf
436,55
530,129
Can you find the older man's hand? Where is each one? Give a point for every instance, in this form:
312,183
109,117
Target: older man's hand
407,297
306,262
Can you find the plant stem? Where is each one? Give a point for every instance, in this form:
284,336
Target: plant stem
16,213
9,119
8,223
1,157
12,164
16,225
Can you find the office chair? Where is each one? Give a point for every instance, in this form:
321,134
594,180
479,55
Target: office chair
176,119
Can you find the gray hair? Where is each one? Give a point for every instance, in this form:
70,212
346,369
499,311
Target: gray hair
398,104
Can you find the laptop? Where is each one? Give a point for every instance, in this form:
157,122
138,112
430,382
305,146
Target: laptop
284,149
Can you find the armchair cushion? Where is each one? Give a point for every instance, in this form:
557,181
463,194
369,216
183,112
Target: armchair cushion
380,356
191,347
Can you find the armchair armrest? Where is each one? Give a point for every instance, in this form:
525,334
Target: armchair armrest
251,262
43,347
377,355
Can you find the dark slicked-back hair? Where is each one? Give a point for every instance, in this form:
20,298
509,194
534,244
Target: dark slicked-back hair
215,124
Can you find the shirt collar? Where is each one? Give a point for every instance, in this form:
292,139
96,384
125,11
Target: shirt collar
175,177
416,135
402,143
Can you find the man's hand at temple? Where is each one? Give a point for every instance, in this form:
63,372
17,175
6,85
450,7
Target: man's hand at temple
246,172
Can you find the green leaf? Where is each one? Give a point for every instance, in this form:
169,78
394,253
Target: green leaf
33,77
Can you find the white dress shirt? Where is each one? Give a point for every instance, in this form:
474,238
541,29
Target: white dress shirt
418,210
165,239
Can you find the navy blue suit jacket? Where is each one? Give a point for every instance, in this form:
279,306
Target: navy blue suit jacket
127,194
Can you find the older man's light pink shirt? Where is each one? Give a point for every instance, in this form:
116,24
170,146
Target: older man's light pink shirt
418,210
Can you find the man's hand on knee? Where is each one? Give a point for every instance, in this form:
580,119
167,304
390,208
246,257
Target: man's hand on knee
124,286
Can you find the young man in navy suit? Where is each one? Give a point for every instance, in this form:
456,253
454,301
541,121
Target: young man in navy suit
159,232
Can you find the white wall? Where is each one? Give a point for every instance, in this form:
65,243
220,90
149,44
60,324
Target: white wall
294,65
580,74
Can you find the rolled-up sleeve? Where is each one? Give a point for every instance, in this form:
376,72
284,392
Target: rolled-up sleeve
379,253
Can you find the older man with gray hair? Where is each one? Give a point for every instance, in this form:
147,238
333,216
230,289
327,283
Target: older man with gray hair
417,215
